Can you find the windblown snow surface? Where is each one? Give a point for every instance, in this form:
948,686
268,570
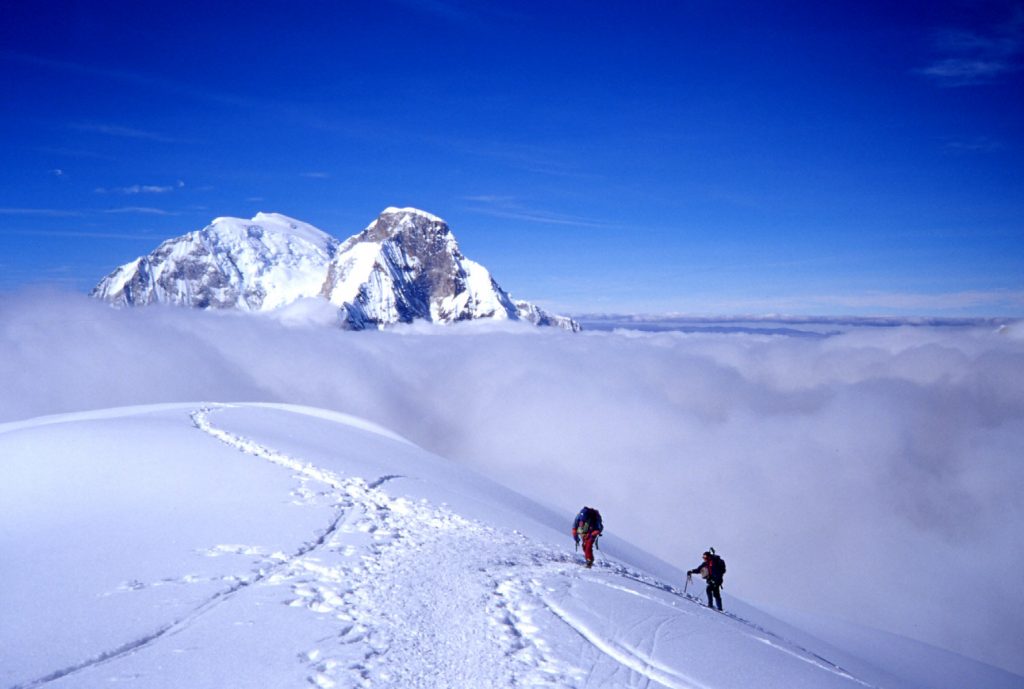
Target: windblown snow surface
247,545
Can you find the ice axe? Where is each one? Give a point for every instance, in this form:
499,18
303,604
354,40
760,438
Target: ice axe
687,584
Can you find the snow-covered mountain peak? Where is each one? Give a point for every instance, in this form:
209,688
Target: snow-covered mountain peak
405,265
421,231
274,226
253,265
392,210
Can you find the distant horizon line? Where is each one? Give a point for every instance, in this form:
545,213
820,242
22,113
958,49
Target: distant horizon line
838,319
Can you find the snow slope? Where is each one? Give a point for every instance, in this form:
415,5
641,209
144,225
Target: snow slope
249,545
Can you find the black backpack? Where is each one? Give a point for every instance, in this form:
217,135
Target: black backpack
591,518
718,564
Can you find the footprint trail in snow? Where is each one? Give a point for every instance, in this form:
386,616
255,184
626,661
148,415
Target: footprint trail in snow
422,596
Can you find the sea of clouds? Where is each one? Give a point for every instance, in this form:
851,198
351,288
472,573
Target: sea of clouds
874,475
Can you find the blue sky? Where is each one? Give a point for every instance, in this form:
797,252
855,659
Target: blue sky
645,157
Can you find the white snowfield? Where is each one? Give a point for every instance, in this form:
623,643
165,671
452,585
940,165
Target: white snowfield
247,545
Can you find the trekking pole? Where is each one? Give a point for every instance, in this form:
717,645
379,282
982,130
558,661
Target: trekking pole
687,584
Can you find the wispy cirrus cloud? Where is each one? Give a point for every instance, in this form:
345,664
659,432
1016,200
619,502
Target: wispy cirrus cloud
70,213
42,212
955,71
979,144
85,234
969,57
462,12
123,132
142,210
178,89
536,159
511,208
130,78
459,11
142,188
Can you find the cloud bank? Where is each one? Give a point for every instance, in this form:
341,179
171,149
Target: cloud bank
874,475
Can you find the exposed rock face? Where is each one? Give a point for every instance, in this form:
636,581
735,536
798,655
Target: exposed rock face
406,265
